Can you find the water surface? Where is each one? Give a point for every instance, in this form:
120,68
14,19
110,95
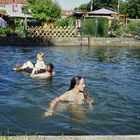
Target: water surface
112,78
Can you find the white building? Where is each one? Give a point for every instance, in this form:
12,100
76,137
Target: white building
12,6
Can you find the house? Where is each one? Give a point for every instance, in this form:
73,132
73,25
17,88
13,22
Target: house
110,14
12,6
103,12
66,13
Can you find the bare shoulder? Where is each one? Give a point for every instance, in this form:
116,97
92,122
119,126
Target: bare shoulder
64,96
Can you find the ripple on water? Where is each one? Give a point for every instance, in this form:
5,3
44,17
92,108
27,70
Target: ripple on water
112,77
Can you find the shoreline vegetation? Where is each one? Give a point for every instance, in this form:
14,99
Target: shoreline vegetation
85,41
111,137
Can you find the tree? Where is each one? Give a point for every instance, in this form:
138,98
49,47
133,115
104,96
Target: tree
123,7
133,8
65,22
83,7
97,4
43,9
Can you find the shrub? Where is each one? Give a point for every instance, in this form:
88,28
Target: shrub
117,29
65,22
96,27
133,27
4,31
89,27
103,27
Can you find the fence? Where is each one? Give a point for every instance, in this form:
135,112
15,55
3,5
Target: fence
50,32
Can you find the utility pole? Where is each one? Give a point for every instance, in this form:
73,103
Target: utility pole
118,5
91,5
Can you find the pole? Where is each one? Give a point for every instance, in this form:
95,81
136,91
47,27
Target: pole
118,5
25,26
81,30
91,5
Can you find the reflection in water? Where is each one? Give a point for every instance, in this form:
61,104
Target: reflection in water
75,112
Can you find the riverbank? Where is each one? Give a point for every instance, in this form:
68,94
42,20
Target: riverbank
69,42
128,137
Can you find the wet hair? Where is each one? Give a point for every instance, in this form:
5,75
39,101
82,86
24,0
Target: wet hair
75,81
40,54
51,67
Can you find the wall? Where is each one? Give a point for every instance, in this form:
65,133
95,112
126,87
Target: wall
70,42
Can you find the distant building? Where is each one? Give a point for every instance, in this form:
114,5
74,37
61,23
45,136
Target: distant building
12,6
103,12
66,13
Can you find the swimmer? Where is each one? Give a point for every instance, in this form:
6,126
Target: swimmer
49,72
28,66
75,95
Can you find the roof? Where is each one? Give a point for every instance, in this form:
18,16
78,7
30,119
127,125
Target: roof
103,11
68,12
19,15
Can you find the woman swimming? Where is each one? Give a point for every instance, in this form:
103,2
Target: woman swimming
48,73
75,95
28,66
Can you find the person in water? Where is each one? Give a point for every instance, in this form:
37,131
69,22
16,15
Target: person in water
28,66
48,73
75,94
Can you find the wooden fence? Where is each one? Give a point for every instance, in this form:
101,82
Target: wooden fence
50,32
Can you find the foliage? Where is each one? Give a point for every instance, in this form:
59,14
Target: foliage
133,8
123,7
65,22
96,27
4,31
133,27
116,29
97,4
115,25
83,7
43,9
88,27
102,28
2,11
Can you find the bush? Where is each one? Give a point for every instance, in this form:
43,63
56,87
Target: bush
117,29
96,27
133,27
4,31
89,27
65,22
103,27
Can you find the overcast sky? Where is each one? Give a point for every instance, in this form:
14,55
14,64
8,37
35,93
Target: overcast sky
71,4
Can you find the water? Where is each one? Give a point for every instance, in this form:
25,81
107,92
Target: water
112,78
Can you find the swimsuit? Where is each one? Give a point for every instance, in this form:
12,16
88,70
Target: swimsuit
74,97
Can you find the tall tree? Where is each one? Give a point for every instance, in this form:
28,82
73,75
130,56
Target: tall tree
97,4
43,9
133,8
123,7
83,7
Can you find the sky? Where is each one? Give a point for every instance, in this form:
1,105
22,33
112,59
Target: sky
71,4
